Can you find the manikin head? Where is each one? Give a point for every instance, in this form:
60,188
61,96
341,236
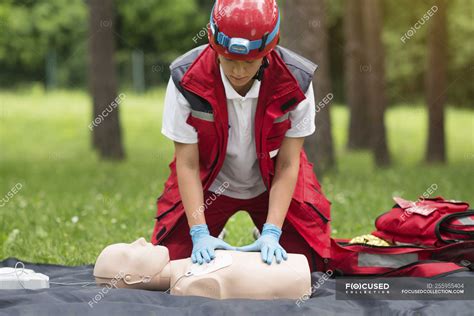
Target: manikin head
139,264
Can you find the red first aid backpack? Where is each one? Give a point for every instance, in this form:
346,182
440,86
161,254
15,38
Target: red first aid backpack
390,261
433,239
429,222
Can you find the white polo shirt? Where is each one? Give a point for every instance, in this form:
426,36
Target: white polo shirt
240,168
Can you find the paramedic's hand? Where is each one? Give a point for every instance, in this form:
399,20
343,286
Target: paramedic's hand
204,244
268,244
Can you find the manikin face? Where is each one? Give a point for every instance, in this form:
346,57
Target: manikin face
141,247
137,258
239,72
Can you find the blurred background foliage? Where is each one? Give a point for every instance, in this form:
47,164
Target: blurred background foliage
45,42
71,196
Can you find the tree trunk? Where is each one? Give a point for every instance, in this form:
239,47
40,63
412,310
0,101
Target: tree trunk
105,126
436,84
371,15
355,68
304,31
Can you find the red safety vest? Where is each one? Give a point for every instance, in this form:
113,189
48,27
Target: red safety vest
309,211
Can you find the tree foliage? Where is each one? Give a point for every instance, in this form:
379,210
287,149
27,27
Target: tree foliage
166,28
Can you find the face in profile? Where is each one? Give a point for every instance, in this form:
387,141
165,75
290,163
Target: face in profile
140,249
239,72
138,257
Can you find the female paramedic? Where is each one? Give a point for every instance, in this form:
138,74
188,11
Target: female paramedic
238,110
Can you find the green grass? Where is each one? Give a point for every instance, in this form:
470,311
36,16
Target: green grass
45,146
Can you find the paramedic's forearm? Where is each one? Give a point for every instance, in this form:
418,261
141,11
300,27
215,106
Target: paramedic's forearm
281,192
190,189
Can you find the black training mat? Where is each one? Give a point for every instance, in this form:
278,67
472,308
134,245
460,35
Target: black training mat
74,300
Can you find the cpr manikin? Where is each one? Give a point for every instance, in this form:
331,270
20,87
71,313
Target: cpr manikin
232,274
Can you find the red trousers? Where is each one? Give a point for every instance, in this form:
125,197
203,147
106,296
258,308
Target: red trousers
222,207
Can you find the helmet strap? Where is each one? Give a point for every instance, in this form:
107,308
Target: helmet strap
264,41
259,74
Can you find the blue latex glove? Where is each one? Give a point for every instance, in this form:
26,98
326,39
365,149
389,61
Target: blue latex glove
204,244
268,244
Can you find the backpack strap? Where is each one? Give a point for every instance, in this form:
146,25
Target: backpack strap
439,227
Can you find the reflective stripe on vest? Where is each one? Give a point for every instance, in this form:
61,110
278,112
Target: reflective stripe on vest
282,118
388,261
203,115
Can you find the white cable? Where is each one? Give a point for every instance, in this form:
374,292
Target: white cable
75,283
189,273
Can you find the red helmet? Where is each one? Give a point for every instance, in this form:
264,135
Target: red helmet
244,29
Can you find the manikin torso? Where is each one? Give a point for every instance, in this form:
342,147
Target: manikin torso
247,277
142,265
